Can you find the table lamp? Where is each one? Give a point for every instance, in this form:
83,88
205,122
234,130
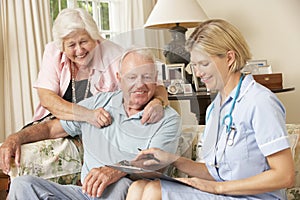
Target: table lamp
176,15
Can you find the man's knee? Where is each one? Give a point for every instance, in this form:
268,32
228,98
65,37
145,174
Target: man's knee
22,182
20,186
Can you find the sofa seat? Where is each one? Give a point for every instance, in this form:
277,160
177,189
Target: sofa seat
60,160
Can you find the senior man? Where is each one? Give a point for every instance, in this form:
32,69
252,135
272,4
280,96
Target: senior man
102,146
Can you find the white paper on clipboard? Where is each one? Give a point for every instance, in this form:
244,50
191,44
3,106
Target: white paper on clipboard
141,173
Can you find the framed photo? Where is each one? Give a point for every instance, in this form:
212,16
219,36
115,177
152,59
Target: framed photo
258,63
257,67
187,88
175,71
161,69
199,86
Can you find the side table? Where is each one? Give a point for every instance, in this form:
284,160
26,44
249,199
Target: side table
287,89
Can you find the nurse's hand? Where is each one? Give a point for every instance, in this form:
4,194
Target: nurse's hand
203,185
98,179
154,159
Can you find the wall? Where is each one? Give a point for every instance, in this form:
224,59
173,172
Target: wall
272,29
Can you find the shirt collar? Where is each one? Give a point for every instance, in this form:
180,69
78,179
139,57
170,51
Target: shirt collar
246,83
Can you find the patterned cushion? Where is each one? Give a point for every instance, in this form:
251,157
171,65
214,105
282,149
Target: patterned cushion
294,129
51,159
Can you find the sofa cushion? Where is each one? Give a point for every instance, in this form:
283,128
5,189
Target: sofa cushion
294,129
50,158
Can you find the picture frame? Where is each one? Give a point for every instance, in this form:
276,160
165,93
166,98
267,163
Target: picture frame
161,70
258,63
187,88
199,86
175,71
257,67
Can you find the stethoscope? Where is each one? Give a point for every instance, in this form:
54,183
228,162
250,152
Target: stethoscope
230,130
228,121
228,117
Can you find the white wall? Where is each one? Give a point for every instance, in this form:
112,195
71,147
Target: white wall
272,30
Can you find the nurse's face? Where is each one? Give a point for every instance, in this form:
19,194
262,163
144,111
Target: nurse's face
78,47
212,70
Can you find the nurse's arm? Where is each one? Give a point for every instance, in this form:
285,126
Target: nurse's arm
281,175
192,168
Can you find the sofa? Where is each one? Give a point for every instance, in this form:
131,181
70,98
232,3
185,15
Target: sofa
60,160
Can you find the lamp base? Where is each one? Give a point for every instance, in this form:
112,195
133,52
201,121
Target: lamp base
175,51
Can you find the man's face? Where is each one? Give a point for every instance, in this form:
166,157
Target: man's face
78,47
137,80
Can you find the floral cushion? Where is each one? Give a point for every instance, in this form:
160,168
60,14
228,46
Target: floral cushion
294,193
59,160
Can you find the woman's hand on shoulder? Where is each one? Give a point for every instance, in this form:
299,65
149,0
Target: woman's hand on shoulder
99,118
153,112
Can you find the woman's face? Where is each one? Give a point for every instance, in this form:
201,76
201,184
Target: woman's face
212,70
78,47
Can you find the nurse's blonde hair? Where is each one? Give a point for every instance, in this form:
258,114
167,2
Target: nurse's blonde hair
216,37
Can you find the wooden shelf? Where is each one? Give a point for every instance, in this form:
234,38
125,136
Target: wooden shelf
283,90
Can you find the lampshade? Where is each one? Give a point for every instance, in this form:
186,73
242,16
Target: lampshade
169,13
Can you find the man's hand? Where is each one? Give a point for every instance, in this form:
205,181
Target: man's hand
9,149
153,112
99,178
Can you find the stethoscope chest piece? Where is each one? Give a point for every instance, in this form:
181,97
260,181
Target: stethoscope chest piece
231,136
230,142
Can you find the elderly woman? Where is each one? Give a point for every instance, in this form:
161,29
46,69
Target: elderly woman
245,156
78,64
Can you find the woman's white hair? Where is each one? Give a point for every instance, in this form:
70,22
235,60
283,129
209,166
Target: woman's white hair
70,20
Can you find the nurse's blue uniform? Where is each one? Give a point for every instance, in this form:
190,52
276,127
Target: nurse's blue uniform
240,150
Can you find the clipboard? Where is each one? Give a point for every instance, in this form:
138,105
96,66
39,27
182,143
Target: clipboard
141,173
